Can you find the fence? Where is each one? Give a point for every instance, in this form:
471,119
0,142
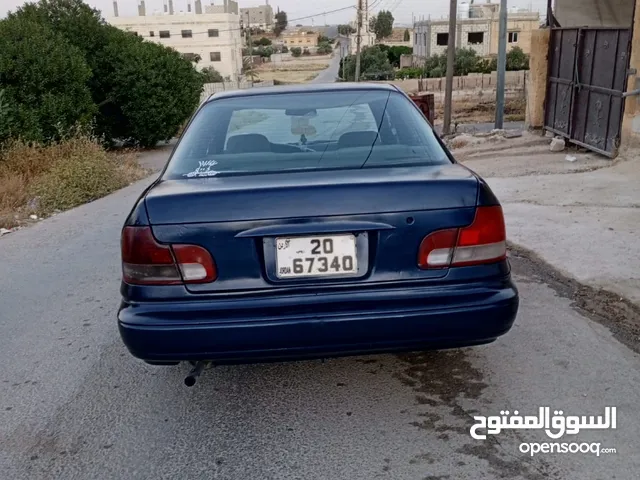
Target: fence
211,88
474,81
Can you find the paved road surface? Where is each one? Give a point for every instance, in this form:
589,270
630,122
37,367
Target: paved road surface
330,74
75,405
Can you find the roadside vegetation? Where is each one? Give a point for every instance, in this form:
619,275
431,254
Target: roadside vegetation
71,89
382,62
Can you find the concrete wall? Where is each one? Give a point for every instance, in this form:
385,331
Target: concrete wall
537,81
594,13
631,119
472,82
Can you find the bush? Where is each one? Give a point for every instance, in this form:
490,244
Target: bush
264,52
284,49
264,42
41,179
306,52
211,75
152,90
410,72
517,59
144,91
6,118
324,48
374,65
296,51
44,82
394,53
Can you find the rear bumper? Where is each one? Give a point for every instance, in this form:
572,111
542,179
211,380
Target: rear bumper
229,331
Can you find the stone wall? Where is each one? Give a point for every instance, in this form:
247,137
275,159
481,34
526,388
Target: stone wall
479,81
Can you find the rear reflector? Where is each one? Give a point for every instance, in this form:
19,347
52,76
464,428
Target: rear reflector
147,262
484,241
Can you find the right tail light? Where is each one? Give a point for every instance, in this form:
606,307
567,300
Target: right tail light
484,241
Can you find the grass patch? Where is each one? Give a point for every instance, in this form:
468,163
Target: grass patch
41,180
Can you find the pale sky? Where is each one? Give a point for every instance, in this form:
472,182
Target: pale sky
403,10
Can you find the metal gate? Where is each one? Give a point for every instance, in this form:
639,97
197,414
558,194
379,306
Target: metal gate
588,70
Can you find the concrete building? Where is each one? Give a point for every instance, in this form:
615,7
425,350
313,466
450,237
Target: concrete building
258,17
477,27
213,33
300,38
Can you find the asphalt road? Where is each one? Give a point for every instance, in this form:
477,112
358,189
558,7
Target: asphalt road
75,405
330,74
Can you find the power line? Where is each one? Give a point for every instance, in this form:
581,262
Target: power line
288,21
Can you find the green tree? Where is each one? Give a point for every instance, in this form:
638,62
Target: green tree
383,24
281,22
153,90
306,51
346,29
144,91
324,48
395,52
211,75
296,51
517,59
374,65
407,35
466,61
6,118
264,42
44,82
249,69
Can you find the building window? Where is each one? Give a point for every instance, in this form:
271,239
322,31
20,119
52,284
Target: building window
186,34
214,56
424,39
513,37
213,32
152,34
442,39
415,40
475,37
135,33
165,34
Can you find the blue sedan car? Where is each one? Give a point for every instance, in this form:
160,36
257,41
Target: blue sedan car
309,222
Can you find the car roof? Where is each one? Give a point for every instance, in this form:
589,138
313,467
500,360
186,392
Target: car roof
306,88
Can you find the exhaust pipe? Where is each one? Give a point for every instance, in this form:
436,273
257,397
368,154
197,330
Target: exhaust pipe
195,372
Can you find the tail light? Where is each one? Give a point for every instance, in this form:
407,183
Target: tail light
484,241
147,262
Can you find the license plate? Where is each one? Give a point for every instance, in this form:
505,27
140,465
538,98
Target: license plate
316,256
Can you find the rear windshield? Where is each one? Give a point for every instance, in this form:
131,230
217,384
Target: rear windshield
305,131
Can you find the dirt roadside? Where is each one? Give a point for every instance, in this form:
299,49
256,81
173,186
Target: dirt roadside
619,315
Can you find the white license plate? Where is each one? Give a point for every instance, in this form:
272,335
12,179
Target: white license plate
317,256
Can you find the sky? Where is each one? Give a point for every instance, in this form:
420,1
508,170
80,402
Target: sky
403,10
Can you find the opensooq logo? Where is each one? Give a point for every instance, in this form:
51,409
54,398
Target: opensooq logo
555,427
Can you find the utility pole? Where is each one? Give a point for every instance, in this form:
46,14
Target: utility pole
502,65
250,47
358,41
451,58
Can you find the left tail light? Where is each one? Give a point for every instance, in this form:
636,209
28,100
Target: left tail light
147,262
484,241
